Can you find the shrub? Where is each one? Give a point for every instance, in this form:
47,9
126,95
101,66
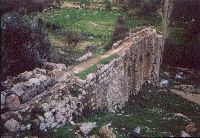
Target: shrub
119,32
49,25
108,5
24,44
72,38
84,3
144,7
22,5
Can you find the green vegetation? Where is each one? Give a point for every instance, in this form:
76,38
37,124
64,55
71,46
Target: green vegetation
83,74
64,132
154,114
176,35
95,26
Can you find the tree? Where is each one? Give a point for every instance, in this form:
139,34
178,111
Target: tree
25,44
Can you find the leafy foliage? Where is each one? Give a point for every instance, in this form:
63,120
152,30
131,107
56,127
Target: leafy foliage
72,38
24,44
182,48
119,32
22,5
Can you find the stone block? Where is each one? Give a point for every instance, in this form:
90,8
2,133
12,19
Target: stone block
12,102
12,125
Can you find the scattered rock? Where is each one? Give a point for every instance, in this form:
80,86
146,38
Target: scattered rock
179,76
17,89
90,77
12,102
84,57
45,107
48,115
190,128
135,132
40,118
54,125
26,75
184,134
51,66
72,123
3,99
39,71
42,126
23,128
87,127
182,115
28,126
115,45
94,136
164,83
12,125
107,132
59,75
91,48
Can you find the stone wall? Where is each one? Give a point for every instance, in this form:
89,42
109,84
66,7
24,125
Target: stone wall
111,85
52,96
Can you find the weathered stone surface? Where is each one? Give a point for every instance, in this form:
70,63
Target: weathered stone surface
84,57
115,45
106,132
90,77
12,102
2,99
51,66
26,75
12,125
190,128
184,134
59,75
48,114
87,127
58,95
17,89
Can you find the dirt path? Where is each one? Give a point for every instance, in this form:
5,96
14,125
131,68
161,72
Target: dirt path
191,97
70,5
120,49
94,60
78,5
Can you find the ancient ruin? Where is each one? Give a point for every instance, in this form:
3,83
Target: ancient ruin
51,96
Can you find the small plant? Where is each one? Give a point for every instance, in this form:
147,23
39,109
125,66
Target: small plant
74,90
108,5
84,3
72,38
119,32
120,29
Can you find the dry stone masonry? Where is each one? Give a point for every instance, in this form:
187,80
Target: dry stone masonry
50,97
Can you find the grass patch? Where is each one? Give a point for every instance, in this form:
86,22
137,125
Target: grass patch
83,74
95,26
136,21
88,22
152,112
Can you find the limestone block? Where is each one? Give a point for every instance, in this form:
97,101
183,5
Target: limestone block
12,102
12,125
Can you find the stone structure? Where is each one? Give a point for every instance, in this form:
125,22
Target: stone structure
52,96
